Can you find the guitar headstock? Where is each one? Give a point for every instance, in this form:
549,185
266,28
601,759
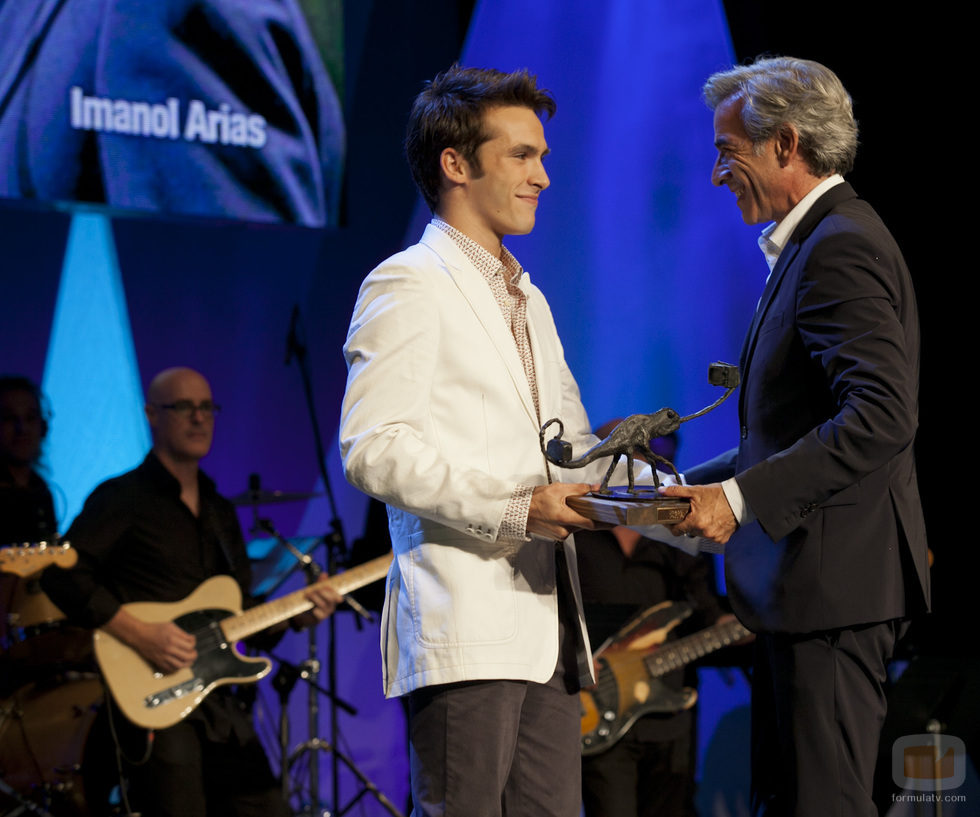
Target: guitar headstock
23,560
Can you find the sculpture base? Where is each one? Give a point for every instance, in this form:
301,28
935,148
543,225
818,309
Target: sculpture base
618,507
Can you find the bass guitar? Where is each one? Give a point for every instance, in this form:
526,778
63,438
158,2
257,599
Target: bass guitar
213,614
629,667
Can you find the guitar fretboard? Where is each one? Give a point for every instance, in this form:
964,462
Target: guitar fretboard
685,650
282,609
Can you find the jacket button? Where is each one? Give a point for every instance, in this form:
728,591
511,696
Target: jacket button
745,432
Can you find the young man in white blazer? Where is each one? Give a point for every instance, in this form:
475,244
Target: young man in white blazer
454,363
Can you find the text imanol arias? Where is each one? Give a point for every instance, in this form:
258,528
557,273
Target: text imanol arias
162,120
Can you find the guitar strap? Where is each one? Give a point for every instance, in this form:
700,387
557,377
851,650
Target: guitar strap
222,712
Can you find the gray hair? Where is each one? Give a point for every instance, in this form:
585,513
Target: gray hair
783,90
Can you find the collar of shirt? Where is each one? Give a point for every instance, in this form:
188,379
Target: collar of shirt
485,261
774,237
503,277
156,471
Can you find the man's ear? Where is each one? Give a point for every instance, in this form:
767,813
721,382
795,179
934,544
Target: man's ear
787,143
455,168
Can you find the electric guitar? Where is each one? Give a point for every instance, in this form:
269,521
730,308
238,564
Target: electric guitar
630,664
213,614
23,560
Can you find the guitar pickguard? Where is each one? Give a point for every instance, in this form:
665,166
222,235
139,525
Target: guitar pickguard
217,661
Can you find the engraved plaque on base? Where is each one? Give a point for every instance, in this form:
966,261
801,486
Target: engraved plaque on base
619,507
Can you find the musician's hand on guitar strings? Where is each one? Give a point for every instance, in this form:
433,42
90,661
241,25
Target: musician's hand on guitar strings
325,600
162,643
167,647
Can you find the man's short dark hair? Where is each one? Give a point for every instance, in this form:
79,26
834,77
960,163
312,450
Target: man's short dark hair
449,114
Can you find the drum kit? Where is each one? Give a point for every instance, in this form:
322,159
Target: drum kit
51,692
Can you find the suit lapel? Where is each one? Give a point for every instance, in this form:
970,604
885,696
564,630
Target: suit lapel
765,300
477,294
821,207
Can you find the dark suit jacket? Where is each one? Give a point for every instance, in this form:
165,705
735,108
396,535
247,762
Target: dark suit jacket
828,413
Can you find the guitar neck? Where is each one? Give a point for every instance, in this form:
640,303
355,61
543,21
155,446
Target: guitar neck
682,652
263,616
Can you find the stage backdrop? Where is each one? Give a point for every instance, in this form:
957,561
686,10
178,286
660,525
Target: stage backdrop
649,270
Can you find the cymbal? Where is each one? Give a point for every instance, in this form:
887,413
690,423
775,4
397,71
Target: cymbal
263,497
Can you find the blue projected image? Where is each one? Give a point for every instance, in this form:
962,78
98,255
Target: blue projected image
91,376
649,270
217,108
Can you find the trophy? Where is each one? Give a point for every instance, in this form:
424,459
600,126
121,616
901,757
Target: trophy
633,504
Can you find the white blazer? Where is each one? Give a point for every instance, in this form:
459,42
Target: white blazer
439,423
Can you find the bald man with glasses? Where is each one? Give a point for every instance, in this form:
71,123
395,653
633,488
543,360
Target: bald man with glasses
155,534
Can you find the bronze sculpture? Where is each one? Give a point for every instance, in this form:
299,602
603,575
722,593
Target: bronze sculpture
634,434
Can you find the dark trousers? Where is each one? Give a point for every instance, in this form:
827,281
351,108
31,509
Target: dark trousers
189,775
185,773
502,748
818,704
494,748
641,778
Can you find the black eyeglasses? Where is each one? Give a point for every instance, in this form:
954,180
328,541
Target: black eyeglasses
185,408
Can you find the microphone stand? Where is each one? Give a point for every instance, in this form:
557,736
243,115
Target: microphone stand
285,680
337,554
288,673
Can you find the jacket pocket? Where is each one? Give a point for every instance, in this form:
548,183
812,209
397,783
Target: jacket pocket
461,592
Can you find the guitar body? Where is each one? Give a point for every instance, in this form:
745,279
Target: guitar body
155,701
626,688
213,615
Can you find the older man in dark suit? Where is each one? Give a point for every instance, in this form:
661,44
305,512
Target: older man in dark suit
828,549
